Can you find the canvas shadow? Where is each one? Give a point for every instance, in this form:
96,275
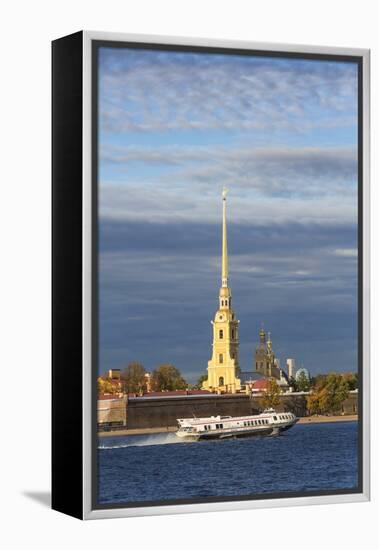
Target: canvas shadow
42,497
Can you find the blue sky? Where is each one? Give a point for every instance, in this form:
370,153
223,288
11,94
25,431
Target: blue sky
281,134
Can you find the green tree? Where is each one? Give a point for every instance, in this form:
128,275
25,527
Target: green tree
133,378
352,380
338,391
167,377
292,383
302,382
271,397
318,380
199,383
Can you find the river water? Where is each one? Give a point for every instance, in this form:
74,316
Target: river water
313,457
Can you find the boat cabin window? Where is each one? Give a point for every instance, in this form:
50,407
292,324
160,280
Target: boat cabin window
275,418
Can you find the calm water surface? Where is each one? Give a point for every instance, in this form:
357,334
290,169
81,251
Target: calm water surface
158,467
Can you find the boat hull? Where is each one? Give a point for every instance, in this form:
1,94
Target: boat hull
233,434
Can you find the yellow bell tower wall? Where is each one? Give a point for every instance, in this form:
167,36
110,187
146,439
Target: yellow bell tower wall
223,367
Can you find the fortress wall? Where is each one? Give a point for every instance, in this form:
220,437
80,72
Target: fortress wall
163,411
112,412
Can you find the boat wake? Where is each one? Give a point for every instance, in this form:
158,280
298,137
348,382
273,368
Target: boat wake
142,441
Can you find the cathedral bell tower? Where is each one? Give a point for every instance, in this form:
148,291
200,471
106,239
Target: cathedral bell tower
223,368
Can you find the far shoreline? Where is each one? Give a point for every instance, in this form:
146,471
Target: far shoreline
321,419
171,429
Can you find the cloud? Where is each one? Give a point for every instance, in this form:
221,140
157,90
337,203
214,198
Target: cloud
144,91
176,127
268,185
270,171
135,202
159,284
347,252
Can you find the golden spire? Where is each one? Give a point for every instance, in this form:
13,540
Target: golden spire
225,270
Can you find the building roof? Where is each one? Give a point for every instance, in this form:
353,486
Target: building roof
250,376
260,384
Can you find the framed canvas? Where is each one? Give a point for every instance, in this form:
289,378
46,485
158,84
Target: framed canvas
210,275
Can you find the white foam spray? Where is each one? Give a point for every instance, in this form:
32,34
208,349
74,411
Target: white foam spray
143,441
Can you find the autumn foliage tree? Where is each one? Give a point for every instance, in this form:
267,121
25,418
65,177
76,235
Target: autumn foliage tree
104,386
167,377
133,378
328,395
271,397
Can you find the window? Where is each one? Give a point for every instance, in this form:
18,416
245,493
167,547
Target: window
226,302
221,334
232,333
221,358
221,381
222,302
275,418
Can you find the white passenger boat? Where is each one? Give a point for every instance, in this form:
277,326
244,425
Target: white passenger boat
269,422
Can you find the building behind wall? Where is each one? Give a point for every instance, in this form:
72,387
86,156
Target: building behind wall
291,368
265,361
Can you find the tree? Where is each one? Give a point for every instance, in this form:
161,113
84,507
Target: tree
134,378
317,401
318,381
292,383
338,391
302,382
328,395
199,383
271,397
167,377
105,386
352,380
